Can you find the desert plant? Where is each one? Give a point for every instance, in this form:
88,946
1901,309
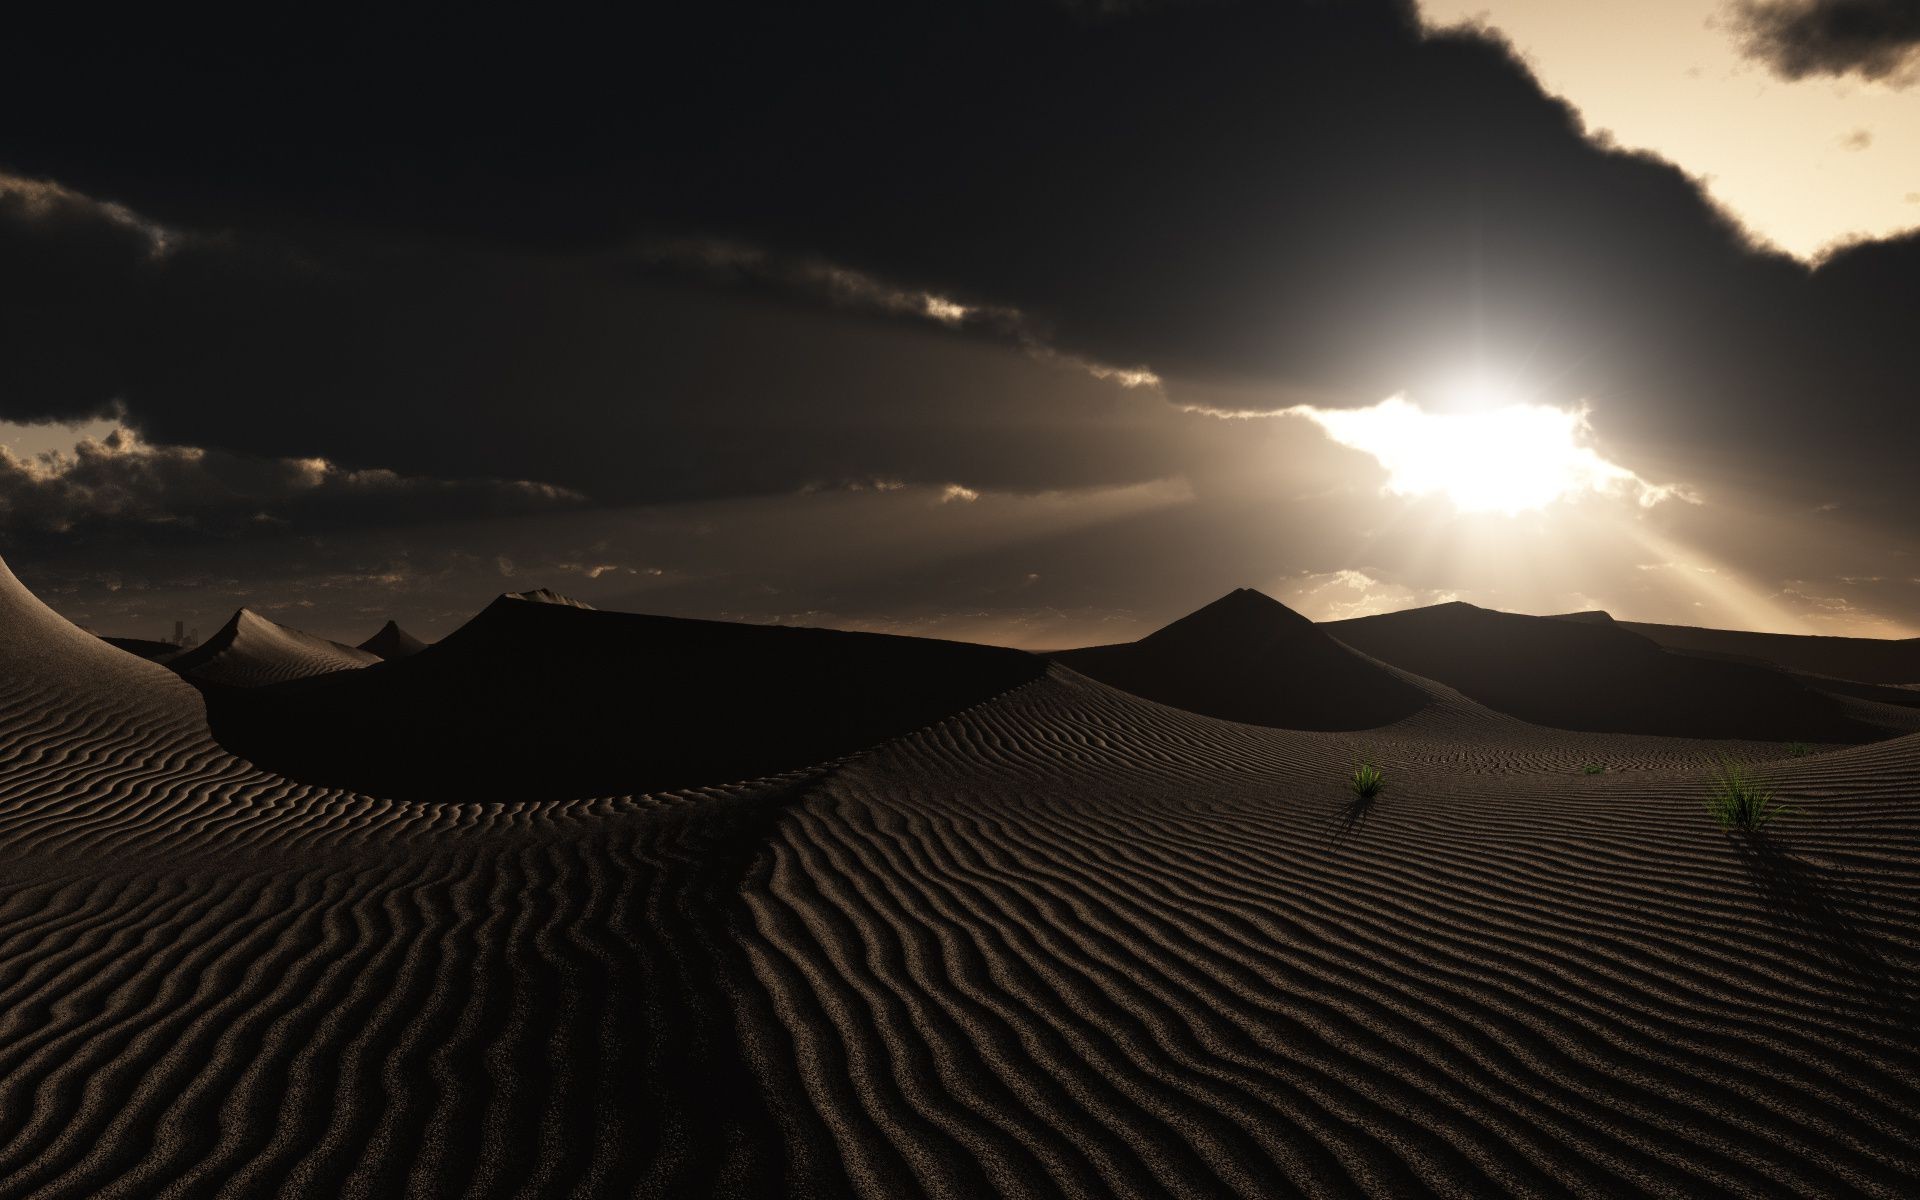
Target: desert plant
1367,781
1592,769
1798,749
1741,800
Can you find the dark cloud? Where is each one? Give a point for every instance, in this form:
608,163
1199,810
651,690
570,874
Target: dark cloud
1875,39
744,249
116,490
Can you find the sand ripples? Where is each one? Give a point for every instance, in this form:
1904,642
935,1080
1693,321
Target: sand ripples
1065,943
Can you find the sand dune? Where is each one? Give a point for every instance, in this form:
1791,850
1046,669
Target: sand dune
251,651
1868,660
1600,676
146,648
1247,657
392,642
1064,942
563,701
1070,943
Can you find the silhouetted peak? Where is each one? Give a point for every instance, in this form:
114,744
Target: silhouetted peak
1232,619
393,642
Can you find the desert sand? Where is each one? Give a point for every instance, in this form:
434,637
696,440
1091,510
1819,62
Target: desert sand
250,651
939,920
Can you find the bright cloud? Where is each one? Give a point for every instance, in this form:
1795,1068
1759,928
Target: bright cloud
1510,459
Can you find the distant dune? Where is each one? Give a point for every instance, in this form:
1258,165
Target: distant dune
251,651
1056,941
1868,660
1599,676
542,699
1247,657
393,642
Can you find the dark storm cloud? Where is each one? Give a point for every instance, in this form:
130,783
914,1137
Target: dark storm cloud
116,489
1875,39
457,281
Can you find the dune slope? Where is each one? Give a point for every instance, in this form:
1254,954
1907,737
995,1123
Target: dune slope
1074,944
1247,657
533,700
251,651
1599,676
1867,660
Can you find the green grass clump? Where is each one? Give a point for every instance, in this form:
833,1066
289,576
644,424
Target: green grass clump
1592,769
1741,800
1367,781
1798,749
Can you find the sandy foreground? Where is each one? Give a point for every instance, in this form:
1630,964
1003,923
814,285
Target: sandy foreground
1064,941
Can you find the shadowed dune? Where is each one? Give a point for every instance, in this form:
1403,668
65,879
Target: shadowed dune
146,648
1067,942
546,700
1867,660
1247,657
1600,676
251,651
392,642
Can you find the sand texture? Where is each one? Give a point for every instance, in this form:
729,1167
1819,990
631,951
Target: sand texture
1056,940
251,651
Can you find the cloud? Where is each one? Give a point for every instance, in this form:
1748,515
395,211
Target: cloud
1507,459
1875,39
886,270
118,488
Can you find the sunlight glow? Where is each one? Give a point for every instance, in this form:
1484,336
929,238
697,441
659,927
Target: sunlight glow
1506,460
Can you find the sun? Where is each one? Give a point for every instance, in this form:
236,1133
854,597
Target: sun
1509,459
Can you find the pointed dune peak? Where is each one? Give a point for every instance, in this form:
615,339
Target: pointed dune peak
1241,613
251,650
1247,657
548,596
392,642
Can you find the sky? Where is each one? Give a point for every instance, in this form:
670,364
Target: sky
1804,161
1036,323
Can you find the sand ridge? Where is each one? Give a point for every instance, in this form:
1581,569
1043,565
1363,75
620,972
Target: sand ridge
250,651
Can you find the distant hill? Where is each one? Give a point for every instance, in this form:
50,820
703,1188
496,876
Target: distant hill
393,642
539,700
1867,660
1602,676
1247,657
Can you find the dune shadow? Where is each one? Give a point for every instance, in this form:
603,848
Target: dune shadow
1808,902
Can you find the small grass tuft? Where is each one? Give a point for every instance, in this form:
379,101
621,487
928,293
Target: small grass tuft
1798,749
1592,769
1367,781
1741,800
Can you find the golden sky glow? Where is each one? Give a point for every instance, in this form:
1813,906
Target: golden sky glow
1801,164
1505,459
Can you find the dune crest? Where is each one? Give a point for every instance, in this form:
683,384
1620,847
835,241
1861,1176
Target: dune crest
251,651
393,642
1247,657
